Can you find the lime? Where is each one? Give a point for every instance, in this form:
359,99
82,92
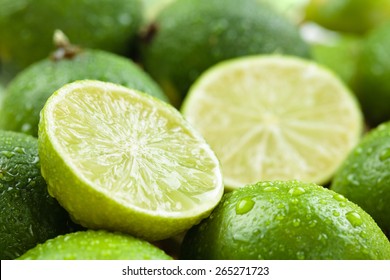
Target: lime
29,90
118,159
27,27
364,178
351,16
373,76
272,117
188,36
95,245
337,51
28,215
286,220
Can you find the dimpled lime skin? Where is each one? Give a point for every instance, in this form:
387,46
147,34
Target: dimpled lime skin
364,178
188,36
27,93
286,220
372,82
95,245
27,27
28,214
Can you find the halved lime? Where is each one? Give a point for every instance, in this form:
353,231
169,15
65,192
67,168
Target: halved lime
274,117
119,159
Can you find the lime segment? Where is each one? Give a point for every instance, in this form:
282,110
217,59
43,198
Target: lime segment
119,159
274,117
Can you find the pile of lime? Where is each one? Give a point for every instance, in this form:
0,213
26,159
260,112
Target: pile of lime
186,129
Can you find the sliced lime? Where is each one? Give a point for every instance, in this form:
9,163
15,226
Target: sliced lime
122,160
274,118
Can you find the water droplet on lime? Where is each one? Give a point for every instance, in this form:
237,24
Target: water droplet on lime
296,191
354,218
244,205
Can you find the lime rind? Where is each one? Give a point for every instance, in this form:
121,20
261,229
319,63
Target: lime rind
131,154
273,117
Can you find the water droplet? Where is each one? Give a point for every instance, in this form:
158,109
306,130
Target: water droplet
363,234
296,222
323,201
352,179
322,237
294,200
279,217
339,197
271,189
312,223
281,206
336,213
354,218
296,191
19,150
244,205
7,154
342,204
385,154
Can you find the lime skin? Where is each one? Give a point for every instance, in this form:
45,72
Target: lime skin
28,214
95,245
286,220
27,93
188,36
364,178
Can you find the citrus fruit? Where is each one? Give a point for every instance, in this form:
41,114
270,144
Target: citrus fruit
118,159
351,16
364,177
336,50
95,245
28,215
27,27
273,117
292,9
188,36
372,84
28,91
286,220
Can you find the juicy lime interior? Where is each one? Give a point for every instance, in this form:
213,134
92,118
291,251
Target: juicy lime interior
274,118
128,148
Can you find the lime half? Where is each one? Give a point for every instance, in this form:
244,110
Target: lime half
274,117
121,160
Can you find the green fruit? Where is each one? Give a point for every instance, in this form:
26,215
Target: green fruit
28,91
188,36
28,215
264,127
340,54
286,220
351,16
27,27
373,76
95,245
364,178
121,160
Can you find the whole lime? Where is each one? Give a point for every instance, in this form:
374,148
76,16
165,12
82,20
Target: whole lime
27,93
364,178
286,220
351,16
372,84
28,214
188,36
95,245
27,27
